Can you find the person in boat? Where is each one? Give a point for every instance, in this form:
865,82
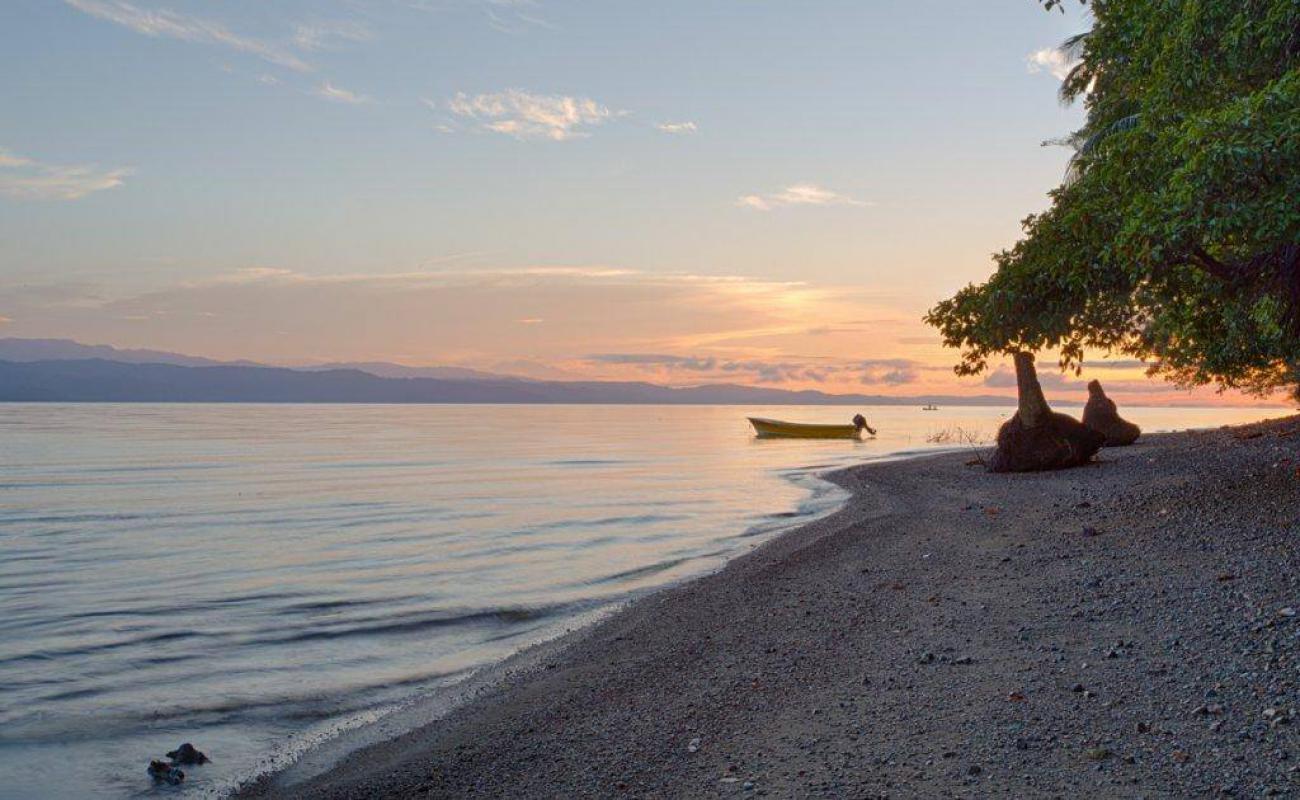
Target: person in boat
860,422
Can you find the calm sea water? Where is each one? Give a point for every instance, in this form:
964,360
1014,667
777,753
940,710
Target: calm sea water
254,578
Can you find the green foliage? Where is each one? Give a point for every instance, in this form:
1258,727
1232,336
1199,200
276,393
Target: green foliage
1176,235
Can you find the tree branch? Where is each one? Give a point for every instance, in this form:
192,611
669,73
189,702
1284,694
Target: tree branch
1213,265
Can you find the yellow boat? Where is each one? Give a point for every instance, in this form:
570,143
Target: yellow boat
801,430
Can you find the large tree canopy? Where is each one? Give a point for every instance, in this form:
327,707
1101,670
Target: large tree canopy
1175,237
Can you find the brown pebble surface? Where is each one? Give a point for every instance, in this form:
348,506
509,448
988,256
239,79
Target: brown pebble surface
1123,629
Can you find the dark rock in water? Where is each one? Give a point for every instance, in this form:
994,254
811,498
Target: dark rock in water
1102,416
1037,438
187,754
162,772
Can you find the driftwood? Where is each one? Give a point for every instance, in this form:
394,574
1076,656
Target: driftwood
1037,438
1102,415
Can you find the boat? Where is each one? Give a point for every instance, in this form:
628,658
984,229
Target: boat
931,407
775,428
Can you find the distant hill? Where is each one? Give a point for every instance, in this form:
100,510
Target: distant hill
385,369
14,349
103,380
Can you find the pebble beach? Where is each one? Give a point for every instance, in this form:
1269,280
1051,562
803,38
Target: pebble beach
1124,629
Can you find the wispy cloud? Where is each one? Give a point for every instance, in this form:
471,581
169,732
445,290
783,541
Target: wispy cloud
338,94
506,16
710,367
523,115
1051,60
314,36
456,313
678,127
801,194
163,23
29,179
514,16
8,159
868,372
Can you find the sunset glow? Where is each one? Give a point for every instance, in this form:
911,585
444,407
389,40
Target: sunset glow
358,187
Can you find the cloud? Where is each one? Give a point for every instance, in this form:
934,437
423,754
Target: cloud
522,115
800,194
325,35
162,23
8,159
1051,60
507,16
449,315
1118,363
513,16
1005,378
678,127
338,94
530,321
28,179
5,320
888,371
656,359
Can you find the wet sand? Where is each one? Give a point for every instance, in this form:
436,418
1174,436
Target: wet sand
1125,629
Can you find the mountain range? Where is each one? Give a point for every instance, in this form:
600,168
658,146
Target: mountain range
60,370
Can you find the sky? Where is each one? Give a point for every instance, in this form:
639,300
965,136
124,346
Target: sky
688,191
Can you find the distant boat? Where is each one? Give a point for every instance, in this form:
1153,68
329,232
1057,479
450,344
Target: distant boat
930,408
801,430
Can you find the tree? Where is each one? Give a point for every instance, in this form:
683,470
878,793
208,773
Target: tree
1176,236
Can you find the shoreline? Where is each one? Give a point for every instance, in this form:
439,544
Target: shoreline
925,639
302,764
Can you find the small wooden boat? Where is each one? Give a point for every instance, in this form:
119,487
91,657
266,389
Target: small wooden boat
931,407
772,428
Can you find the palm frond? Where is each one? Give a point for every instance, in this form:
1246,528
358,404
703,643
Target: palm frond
1089,145
1072,47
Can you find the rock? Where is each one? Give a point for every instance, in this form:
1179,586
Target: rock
162,772
975,769
1097,753
187,754
1037,438
694,745
1101,415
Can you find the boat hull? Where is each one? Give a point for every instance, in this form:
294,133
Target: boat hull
773,428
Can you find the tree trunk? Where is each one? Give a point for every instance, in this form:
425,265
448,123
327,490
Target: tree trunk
1036,438
1033,405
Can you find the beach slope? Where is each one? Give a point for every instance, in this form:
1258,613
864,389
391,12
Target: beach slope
1125,629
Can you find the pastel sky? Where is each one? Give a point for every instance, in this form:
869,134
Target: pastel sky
682,191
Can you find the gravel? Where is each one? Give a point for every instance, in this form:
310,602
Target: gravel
949,633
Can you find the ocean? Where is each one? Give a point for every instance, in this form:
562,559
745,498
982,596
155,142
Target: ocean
257,578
